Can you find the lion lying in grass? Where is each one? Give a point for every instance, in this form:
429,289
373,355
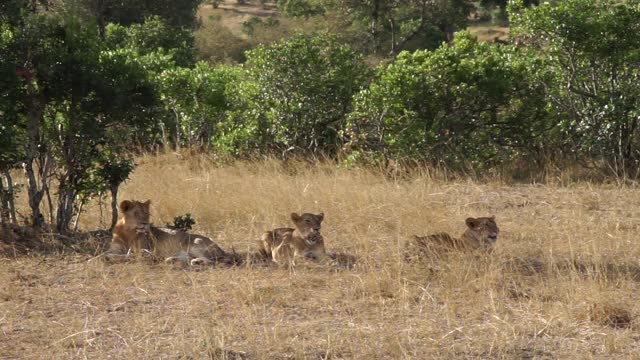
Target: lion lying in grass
133,233
481,234
304,241
284,245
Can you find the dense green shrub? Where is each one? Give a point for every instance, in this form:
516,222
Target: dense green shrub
470,104
591,51
295,96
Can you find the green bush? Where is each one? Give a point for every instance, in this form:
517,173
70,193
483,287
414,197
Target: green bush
591,51
295,96
467,105
183,222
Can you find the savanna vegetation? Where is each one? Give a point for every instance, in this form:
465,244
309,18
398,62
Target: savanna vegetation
393,117
561,283
88,84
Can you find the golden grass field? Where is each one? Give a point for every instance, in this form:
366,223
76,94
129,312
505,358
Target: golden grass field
562,283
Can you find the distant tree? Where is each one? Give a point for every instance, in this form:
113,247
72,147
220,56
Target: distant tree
304,8
387,27
154,35
176,13
502,4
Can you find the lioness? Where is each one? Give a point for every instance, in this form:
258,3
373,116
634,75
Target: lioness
481,234
283,245
133,232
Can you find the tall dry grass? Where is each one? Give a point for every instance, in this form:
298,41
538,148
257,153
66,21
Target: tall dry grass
562,283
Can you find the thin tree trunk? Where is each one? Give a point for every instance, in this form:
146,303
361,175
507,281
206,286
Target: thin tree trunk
114,205
165,140
397,48
75,224
393,36
44,173
177,129
11,198
65,213
34,118
49,201
4,204
375,14
66,199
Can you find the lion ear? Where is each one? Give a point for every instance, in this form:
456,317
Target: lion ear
295,217
471,222
147,203
125,205
493,218
321,215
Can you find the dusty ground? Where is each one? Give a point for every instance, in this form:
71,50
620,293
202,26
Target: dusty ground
562,283
231,14
490,33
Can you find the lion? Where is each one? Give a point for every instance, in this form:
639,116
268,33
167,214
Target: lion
134,233
284,245
481,234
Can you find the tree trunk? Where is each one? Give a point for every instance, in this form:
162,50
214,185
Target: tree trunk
101,26
393,36
375,14
114,205
177,129
66,200
10,198
44,165
4,204
34,119
75,223
49,201
165,139
397,48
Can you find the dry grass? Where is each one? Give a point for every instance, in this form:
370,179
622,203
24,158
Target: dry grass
220,39
232,15
563,282
488,32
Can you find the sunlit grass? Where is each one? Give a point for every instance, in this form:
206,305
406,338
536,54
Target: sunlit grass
563,281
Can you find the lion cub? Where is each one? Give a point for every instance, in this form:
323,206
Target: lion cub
283,245
481,234
134,233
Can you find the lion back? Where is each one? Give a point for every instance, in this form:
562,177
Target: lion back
431,244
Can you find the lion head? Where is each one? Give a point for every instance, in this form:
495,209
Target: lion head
136,215
308,225
482,232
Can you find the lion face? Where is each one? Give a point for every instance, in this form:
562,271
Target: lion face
136,215
308,225
483,230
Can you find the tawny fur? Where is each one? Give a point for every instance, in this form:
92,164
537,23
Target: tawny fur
133,233
481,234
284,245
